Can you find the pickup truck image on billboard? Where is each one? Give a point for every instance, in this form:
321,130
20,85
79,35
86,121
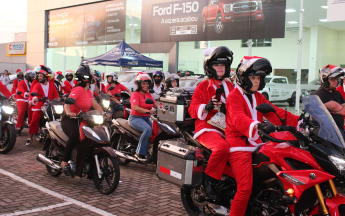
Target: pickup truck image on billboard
206,20
222,13
86,25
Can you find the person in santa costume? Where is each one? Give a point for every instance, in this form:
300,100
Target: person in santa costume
45,88
23,99
69,82
217,66
243,122
59,85
16,81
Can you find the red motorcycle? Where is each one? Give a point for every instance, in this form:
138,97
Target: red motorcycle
293,171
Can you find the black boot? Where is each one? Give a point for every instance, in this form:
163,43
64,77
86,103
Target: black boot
209,188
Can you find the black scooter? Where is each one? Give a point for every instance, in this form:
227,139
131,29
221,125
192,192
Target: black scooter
92,156
124,139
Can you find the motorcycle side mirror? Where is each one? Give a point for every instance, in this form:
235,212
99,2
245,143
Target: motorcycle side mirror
151,91
33,94
69,101
117,95
111,88
19,92
149,101
265,108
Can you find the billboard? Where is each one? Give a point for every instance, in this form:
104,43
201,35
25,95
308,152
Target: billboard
15,48
92,24
205,20
335,9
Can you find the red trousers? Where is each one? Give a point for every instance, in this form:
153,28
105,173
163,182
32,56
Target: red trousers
35,122
241,164
30,114
220,153
22,107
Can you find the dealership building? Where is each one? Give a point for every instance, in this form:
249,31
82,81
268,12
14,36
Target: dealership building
55,34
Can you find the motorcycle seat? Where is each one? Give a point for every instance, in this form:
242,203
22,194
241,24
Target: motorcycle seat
124,123
56,127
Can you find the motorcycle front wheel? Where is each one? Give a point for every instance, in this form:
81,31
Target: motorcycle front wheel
110,177
8,139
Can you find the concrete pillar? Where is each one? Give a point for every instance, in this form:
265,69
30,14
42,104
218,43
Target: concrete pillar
173,58
315,52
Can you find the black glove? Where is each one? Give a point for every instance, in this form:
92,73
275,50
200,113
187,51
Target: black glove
210,105
222,108
267,127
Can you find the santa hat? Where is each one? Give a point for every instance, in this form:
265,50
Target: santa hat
19,71
331,71
29,70
247,61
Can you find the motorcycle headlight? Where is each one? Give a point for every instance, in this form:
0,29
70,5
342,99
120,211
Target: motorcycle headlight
58,109
338,162
98,119
8,110
106,103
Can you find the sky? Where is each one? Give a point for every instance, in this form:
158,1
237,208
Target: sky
13,18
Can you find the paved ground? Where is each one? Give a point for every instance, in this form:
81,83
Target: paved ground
139,192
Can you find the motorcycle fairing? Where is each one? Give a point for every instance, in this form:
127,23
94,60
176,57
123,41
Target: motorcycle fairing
333,204
301,180
283,135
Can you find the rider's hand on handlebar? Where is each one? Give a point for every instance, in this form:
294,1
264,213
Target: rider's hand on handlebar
71,114
152,112
35,100
118,102
266,127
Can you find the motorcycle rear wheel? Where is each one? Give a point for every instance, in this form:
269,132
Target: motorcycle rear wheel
111,174
8,139
188,203
49,154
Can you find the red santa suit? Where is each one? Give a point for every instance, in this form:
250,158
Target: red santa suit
4,90
243,139
49,91
69,85
15,86
207,134
22,102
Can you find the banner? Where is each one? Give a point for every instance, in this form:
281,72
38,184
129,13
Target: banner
16,48
205,20
92,24
335,10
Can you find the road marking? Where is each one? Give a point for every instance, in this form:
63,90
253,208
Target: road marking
60,196
38,209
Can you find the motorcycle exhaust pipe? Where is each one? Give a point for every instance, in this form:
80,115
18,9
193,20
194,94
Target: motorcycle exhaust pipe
47,162
127,157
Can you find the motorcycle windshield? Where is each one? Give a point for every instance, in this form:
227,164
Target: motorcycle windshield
328,128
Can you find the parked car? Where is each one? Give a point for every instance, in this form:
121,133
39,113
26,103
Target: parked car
278,89
191,81
127,78
221,13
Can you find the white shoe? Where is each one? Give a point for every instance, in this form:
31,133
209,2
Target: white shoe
28,142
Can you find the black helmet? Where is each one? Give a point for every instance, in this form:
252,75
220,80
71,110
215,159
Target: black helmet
328,72
83,75
170,78
29,75
221,55
252,66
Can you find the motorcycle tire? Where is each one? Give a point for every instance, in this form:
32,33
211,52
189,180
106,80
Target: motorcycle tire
49,154
111,174
8,139
117,146
188,204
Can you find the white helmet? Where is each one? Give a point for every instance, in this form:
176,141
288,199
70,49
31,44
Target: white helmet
113,75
